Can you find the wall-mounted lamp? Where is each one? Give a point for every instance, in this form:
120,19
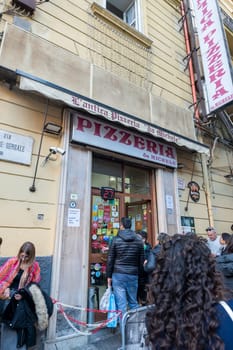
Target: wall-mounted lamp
53,128
230,175
25,7
180,165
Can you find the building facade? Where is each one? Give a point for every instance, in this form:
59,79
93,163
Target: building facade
101,119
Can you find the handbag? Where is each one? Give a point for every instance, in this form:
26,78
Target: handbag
112,314
3,306
104,301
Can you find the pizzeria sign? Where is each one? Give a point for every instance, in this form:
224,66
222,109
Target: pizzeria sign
98,133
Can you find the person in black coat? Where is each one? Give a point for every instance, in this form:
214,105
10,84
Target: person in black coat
31,311
150,262
125,266
225,264
142,287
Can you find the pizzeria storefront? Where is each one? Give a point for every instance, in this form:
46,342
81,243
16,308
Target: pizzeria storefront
115,165
119,186
120,159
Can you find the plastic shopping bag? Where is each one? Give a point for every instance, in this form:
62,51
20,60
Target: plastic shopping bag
104,301
112,314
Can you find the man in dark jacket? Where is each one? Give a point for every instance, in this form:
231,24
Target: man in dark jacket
150,262
125,266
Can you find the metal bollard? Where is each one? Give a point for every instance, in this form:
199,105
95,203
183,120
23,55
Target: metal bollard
93,303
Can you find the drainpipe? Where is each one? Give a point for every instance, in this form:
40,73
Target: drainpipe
190,63
206,187
204,160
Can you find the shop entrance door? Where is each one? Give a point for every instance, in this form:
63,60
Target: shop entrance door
131,195
140,213
105,223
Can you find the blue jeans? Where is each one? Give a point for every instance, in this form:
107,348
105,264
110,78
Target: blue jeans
125,288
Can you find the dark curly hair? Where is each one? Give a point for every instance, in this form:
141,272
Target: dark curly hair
185,289
229,246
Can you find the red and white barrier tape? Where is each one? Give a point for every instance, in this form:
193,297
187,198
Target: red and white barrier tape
91,328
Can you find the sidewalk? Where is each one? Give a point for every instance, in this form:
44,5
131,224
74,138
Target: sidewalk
107,339
133,324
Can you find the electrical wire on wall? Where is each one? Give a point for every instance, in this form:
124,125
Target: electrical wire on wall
32,188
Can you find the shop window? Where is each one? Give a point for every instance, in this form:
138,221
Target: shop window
127,179
136,180
106,173
105,223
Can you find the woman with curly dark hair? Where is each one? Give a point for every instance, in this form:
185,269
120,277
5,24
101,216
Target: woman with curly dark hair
186,290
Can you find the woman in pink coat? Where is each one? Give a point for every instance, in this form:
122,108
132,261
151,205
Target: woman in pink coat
19,271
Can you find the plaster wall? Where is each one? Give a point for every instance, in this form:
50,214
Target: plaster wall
21,209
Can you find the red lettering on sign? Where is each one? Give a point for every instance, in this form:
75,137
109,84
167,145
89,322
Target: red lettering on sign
139,142
169,152
83,124
219,93
161,149
110,133
151,146
113,134
125,138
97,129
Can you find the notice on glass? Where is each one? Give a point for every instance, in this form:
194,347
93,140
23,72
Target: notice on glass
73,217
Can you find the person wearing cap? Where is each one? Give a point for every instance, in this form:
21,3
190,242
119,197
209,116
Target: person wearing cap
213,241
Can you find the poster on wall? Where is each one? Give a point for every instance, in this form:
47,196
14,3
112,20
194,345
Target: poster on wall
187,225
73,219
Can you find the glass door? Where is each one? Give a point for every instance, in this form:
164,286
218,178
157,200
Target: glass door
140,213
105,223
130,190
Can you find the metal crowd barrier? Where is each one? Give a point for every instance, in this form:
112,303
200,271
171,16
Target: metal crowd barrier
134,330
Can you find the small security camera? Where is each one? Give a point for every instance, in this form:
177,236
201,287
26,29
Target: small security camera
55,150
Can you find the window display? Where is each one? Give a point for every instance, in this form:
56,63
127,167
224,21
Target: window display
105,224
